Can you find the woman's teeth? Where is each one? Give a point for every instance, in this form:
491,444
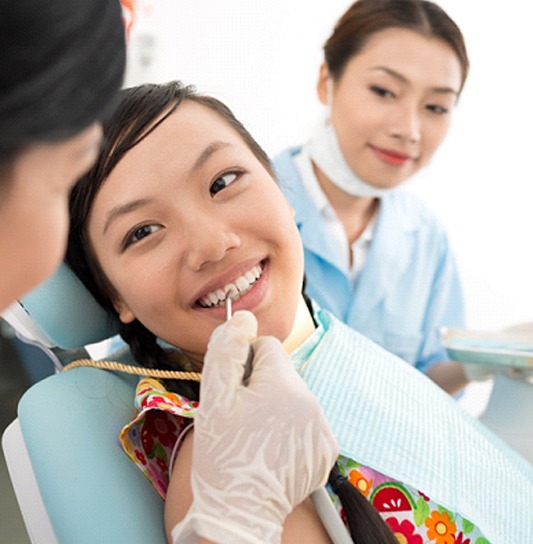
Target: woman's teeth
235,290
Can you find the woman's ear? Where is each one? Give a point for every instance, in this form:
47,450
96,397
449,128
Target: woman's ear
324,84
123,310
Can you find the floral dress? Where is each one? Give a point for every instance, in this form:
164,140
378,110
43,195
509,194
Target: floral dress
414,518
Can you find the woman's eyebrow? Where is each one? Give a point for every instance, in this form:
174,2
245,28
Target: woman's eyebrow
403,79
123,209
204,156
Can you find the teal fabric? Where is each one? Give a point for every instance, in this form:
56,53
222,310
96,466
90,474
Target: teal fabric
388,416
92,491
67,313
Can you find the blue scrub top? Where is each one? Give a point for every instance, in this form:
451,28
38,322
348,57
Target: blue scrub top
409,286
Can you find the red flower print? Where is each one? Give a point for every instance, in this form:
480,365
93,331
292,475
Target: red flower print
461,539
140,456
404,531
160,426
153,401
147,440
162,465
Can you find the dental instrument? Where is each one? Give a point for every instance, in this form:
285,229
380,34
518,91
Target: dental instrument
250,357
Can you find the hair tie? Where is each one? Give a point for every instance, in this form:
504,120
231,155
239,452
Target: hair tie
336,479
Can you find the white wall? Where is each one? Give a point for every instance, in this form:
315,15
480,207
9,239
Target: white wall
262,59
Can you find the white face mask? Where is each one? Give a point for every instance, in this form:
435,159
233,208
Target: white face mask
323,149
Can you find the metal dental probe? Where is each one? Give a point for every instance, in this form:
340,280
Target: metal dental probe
250,357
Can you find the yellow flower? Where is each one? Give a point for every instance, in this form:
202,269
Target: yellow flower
441,528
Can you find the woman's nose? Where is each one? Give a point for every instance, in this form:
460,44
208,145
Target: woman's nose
209,241
406,124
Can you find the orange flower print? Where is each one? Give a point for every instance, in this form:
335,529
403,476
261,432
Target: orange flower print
441,528
358,480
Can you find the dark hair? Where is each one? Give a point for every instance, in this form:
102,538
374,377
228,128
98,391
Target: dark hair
366,17
133,120
140,111
62,62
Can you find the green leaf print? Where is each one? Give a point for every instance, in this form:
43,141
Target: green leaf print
446,511
421,511
468,526
481,540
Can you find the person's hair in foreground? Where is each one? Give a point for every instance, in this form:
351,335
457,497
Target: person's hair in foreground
61,64
140,111
364,18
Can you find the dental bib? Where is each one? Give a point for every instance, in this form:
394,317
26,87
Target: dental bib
323,149
388,415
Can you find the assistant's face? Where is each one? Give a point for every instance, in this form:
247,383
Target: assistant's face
34,209
188,216
392,106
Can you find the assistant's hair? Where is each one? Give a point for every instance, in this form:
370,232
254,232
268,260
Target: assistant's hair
366,17
140,111
61,64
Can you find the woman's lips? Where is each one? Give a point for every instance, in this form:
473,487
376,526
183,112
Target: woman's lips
391,157
249,298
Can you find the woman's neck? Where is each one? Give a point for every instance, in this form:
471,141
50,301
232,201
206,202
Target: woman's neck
302,329
354,212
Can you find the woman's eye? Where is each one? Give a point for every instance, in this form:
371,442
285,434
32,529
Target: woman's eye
381,91
140,233
437,109
222,182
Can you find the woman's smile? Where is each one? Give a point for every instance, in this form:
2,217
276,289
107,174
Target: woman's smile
389,156
234,289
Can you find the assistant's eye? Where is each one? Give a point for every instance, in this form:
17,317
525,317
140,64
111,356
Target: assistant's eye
222,182
381,91
139,233
440,110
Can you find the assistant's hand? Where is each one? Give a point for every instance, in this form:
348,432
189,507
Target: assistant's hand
258,450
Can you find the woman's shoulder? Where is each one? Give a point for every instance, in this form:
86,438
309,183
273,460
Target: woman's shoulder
411,211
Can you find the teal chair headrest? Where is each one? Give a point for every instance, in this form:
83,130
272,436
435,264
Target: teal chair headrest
67,313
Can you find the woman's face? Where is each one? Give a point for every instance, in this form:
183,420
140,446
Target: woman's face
392,106
34,209
188,215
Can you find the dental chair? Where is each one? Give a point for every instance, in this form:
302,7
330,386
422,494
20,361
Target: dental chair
73,482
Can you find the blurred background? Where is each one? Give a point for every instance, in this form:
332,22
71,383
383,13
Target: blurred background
262,59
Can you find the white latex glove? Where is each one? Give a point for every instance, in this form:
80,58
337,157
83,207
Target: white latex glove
258,450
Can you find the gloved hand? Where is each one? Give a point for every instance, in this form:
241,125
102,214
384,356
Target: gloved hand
258,450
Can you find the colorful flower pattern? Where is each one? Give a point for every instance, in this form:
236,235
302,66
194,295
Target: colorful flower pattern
149,439
413,517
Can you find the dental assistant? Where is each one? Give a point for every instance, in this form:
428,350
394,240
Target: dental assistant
375,255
